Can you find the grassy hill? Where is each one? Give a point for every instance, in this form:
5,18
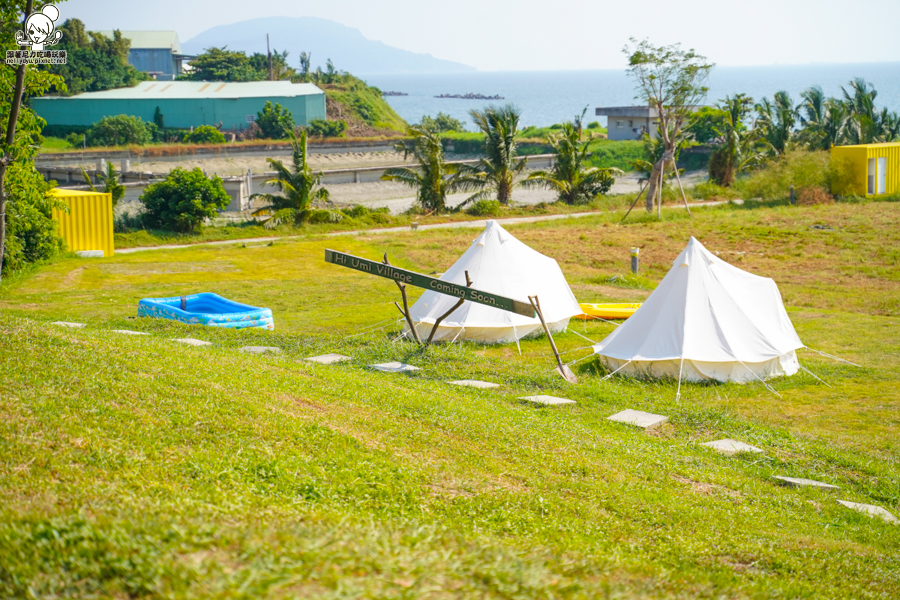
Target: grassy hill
363,107
136,466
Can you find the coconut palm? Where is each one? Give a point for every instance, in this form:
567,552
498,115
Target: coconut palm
776,120
299,187
568,177
109,181
496,172
433,179
741,147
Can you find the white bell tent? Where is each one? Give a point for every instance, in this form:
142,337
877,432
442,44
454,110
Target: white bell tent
500,264
706,320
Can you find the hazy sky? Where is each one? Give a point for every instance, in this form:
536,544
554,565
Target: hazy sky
500,35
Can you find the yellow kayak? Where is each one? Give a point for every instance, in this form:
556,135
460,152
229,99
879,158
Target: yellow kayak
607,311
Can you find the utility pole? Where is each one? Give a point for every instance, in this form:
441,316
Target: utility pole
269,50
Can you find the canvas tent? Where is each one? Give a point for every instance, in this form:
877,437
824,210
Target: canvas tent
706,320
498,263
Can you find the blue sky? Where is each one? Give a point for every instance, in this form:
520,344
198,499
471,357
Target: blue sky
500,35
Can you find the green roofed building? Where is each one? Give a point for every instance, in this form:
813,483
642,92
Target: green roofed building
186,104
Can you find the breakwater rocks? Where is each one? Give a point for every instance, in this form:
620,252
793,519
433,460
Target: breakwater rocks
394,94
471,96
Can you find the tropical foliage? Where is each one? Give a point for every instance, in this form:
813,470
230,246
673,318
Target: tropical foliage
275,121
324,128
442,123
739,146
298,184
570,178
94,62
495,173
109,182
120,130
204,134
222,64
434,179
183,200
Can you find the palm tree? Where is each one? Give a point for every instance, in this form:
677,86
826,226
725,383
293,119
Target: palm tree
568,177
497,171
110,182
299,187
433,179
776,120
741,147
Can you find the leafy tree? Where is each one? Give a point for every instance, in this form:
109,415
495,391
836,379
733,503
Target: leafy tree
222,64
740,146
704,123
27,230
204,134
305,58
433,180
569,178
776,120
109,181
673,82
183,200
120,130
159,119
323,128
280,68
441,123
496,172
94,62
299,187
275,121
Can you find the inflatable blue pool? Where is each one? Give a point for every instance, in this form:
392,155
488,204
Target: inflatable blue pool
207,309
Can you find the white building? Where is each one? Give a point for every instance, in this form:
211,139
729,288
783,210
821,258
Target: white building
629,122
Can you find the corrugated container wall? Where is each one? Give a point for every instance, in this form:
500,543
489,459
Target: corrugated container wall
868,169
89,223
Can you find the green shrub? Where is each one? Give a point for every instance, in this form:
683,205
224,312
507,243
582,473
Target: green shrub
798,168
708,190
63,131
275,122
321,215
442,123
593,125
183,201
205,134
31,232
120,130
326,129
484,208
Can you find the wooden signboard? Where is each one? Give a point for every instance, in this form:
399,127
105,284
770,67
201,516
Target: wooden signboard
429,283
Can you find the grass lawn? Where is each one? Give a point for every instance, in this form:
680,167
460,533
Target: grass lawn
134,466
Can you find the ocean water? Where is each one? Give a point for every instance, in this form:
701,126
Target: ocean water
548,97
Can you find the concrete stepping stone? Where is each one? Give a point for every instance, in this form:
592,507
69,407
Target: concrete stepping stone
394,367
871,510
548,400
68,324
328,359
261,349
129,332
475,383
801,482
729,446
639,418
193,342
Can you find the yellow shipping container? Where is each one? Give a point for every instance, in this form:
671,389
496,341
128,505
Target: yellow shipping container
89,223
870,169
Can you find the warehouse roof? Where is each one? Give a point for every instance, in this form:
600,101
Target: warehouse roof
158,90
150,39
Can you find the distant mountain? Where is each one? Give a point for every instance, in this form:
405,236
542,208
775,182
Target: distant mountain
325,39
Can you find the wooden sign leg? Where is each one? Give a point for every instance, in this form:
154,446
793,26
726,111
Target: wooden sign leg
405,310
562,369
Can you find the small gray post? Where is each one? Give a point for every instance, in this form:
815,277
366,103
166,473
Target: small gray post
101,164
793,196
635,255
126,165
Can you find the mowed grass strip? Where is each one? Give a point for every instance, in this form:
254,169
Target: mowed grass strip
132,465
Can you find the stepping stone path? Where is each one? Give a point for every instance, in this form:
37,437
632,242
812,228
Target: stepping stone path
548,400
129,332
329,359
193,342
475,383
394,367
261,349
871,510
730,447
68,324
799,482
639,418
